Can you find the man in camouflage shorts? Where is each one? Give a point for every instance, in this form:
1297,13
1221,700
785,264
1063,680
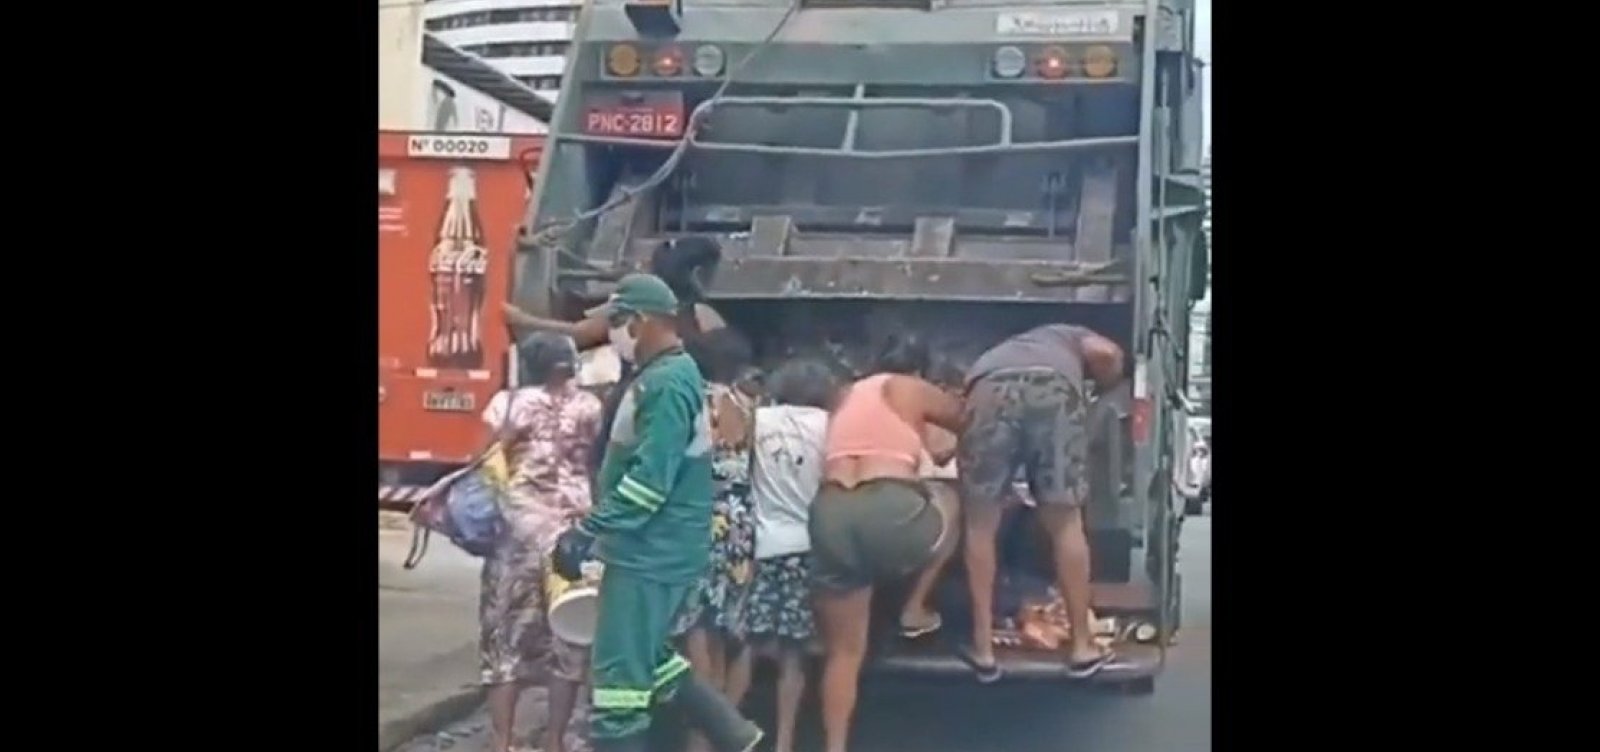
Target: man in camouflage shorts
1025,411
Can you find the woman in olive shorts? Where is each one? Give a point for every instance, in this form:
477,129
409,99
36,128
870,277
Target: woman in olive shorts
873,520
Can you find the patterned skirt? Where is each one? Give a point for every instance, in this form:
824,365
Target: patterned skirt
717,602
780,601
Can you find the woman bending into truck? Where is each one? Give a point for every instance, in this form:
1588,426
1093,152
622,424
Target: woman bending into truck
1027,409
712,623
547,437
784,478
874,520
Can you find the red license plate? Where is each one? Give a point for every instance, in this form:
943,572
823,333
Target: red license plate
664,120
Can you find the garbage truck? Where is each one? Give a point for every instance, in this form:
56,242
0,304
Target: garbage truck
966,169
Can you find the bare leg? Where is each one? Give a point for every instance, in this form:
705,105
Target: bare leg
1071,552
791,688
738,676
982,528
717,668
697,646
502,713
843,619
563,697
918,616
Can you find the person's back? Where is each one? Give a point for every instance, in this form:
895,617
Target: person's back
1058,347
786,475
868,438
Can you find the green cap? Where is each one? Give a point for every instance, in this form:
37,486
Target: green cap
639,293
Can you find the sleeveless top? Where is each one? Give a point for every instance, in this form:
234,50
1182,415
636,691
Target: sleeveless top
865,426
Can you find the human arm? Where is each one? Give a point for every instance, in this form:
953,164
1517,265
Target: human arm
587,333
940,443
707,319
1102,358
666,411
924,403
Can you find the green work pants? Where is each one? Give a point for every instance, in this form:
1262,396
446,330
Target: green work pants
633,663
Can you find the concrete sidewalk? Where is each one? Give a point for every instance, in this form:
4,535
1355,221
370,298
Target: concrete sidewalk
427,638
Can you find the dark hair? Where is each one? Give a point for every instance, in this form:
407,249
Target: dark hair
722,354
541,356
803,382
677,261
947,373
905,354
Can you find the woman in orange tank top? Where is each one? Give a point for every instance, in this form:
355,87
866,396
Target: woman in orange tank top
874,520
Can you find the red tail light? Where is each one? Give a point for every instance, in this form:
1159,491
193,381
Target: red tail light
1142,407
668,62
1140,427
1051,63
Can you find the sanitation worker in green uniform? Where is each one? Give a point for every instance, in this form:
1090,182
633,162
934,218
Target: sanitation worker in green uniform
652,528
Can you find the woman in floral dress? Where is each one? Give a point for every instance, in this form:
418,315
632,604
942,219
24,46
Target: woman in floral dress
547,438
712,622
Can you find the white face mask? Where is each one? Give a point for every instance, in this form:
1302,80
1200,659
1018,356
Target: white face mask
623,343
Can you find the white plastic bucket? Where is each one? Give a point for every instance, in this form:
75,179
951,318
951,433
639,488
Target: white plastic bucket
573,607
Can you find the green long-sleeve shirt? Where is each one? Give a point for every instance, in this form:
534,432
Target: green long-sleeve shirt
653,516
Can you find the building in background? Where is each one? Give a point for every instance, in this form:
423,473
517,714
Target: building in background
425,84
1200,317
524,39
402,80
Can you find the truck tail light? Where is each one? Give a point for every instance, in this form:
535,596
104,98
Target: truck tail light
1140,428
1051,63
708,60
668,62
1010,62
1099,62
622,60
1142,408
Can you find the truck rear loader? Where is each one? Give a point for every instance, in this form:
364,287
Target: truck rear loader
965,169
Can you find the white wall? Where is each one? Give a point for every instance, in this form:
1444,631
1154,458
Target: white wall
467,109
402,81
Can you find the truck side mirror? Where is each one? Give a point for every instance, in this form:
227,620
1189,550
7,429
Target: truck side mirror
1199,268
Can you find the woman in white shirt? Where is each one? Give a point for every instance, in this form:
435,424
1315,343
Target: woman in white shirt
785,476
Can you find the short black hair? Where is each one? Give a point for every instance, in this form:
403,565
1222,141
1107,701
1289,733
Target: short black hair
677,261
903,353
803,382
543,355
948,373
722,354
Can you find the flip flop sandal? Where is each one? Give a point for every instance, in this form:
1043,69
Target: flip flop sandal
913,632
1087,669
985,674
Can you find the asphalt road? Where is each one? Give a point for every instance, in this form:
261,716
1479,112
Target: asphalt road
960,717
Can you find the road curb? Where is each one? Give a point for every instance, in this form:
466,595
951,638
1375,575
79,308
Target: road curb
430,717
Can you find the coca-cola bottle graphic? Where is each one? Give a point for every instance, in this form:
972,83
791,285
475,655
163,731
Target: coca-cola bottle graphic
456,269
